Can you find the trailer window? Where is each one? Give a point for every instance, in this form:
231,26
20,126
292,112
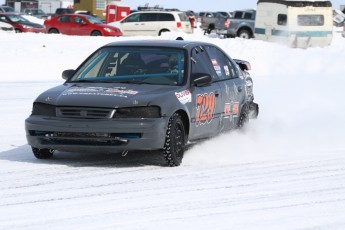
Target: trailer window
311,20
282,19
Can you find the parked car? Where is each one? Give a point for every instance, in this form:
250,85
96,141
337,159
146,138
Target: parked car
4,9
6,27
154,23
21,24
143,95
240,25
77,24
208,20
38,13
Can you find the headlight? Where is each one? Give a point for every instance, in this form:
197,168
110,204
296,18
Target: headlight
27,27
43,109
108,30
138,112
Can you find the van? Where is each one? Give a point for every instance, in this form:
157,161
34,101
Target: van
295,23
154,23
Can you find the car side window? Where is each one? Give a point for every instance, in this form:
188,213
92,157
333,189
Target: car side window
200,63
64,19
148,17
78,20
166,17
221,64
132,18
247,16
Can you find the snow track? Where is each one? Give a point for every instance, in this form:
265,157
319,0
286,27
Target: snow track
100,191
285,171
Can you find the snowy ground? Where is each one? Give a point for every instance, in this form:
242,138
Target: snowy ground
286,171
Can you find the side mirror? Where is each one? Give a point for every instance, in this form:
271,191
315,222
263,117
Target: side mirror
67,74
201,79
244,65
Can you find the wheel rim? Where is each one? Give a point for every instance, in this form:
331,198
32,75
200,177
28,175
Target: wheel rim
244,35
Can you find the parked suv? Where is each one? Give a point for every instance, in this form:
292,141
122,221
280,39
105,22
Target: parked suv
154,23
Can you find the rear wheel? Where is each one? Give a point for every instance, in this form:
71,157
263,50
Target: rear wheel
42,153
162,31
53,31
175,140
244,34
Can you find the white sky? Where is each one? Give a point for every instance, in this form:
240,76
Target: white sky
204,6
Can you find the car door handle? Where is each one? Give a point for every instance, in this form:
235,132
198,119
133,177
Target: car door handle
239,88
216,94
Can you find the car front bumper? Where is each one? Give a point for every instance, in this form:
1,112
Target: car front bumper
75,135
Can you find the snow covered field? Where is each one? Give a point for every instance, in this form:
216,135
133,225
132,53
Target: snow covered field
286,171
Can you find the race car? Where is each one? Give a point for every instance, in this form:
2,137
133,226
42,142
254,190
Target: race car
143,95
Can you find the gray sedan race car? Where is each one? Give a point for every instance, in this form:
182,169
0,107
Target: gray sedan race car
143,95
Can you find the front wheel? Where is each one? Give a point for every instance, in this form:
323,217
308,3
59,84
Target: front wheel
175,140
96,33
244,117
42,153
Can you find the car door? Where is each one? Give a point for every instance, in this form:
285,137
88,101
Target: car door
63,24
130,26
79,26
231,84
207,106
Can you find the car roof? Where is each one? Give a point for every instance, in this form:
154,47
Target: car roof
183,44
9,13
157,11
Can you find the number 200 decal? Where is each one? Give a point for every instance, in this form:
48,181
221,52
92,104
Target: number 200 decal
205,107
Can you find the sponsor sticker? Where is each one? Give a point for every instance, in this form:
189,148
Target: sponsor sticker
205,108
100,91
184,97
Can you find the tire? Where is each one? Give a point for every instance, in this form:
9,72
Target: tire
17,30
53,31
244,117
175,141
42,153
244,34
96,33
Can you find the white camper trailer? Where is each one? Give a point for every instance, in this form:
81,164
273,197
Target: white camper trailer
294,22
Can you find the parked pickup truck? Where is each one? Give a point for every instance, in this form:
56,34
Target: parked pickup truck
240,25
208,20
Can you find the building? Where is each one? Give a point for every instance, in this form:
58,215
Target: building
48,6
20,5
96,7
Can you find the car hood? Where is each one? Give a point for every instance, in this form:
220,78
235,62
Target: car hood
105,95
5,25
35,25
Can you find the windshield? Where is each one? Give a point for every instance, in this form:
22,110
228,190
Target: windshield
17,18
37,12
134,65
8,9
93,19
